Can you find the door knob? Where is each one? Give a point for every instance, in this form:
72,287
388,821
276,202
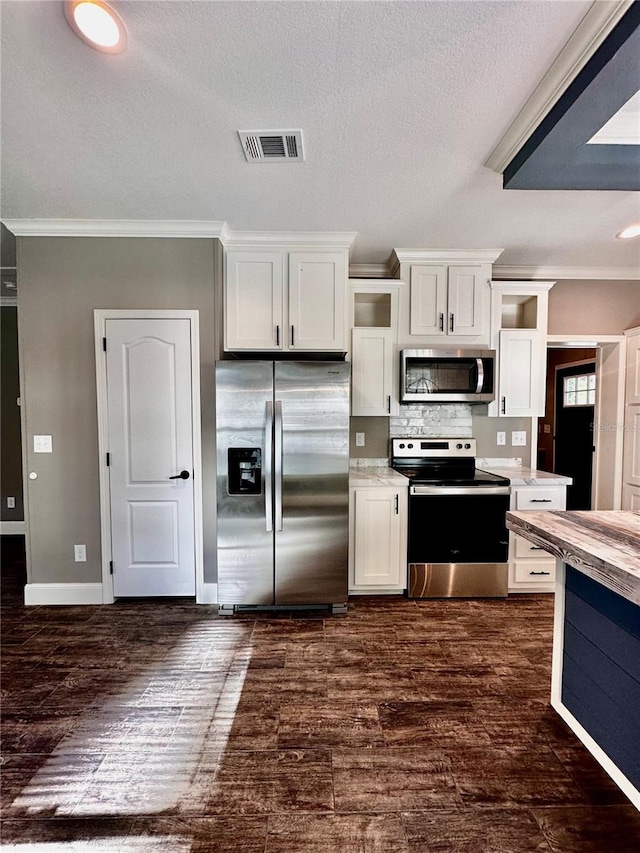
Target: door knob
183,475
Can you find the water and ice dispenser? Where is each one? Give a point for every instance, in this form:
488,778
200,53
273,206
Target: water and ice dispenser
244,471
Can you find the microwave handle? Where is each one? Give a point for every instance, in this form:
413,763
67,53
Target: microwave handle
480,384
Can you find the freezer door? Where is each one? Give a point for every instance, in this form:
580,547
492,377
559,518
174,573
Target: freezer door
311,488
244,412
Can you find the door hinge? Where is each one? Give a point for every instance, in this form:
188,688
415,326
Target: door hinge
110,567
108,459
104,344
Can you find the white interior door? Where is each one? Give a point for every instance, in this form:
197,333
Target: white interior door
150,444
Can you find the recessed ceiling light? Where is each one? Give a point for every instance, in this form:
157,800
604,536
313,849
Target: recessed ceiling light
630,231
97,24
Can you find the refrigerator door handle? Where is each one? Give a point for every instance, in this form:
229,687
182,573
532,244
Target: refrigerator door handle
277,467
268,467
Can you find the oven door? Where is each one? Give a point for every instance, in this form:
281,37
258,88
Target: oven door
458,541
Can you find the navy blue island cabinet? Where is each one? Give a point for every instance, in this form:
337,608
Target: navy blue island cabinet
595,682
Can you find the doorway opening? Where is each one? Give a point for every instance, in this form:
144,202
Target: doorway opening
588,422
566,442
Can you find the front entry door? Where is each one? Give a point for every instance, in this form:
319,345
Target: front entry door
151,456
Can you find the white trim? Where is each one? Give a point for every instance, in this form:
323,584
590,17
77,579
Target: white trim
326,239
556,695
583,341
533,273
114,228
62,593
100,316
208,594
368,270
12,528
591,32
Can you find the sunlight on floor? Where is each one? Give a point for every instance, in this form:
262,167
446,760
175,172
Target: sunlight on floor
153,746
146,843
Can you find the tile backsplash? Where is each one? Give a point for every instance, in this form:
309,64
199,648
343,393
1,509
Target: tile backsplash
448,419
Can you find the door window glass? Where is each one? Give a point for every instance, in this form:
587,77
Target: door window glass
579,390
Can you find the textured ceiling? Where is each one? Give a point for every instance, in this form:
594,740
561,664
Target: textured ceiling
400,105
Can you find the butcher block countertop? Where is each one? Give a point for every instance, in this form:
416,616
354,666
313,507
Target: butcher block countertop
603,545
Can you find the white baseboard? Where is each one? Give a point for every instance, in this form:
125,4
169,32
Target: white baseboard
208,594
12,528
63,593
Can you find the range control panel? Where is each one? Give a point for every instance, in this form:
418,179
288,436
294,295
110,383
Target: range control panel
443,448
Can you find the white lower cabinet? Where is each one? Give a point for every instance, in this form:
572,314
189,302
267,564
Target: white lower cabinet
531,569
377,540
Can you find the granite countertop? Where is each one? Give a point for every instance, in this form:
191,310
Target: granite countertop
376,476
603,545
527,476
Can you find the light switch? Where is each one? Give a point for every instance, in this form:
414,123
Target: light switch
42,444
518,438
547,429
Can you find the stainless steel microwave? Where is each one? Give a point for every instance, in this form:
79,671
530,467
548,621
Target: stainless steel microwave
447,376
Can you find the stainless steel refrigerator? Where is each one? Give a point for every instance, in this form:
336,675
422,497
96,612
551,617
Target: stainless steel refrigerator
282,483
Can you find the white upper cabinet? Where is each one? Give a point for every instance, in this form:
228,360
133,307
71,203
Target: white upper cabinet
284,299
448,298
317,300
519,335
374,349
254,300
373,358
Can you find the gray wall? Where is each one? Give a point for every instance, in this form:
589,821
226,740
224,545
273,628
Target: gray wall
593,307
61,281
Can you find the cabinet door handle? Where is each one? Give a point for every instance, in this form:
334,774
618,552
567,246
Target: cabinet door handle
441,322
504,405
536,548
539,573
397,505
277,336
389,404
451,323
540,501
293,335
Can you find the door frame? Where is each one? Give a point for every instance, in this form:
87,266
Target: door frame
100,316
606,490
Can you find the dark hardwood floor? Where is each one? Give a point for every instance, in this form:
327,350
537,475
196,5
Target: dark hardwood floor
404,727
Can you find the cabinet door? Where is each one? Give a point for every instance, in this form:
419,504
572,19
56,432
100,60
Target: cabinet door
254,289
372,358
428,294
465,302
317,300
377,537
521,363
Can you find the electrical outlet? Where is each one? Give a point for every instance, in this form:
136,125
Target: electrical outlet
11,503
501,439
80,553
547,429
359,439
518,438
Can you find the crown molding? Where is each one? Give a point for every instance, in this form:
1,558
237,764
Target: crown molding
442,256
368,271
338,239
114,228
531,273
593,29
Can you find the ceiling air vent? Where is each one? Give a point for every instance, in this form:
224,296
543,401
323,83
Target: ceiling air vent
261,146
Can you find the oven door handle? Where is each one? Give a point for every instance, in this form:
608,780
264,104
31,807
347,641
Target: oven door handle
459,490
